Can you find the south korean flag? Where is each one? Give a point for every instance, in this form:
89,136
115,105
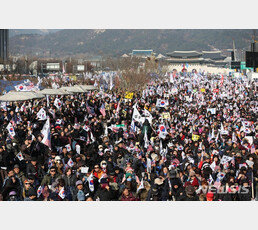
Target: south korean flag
10,129
162,131
58,103
20,156
41,115
162,103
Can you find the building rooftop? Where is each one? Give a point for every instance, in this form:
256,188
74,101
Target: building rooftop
142,52
184,54
214,55
182,60
125,55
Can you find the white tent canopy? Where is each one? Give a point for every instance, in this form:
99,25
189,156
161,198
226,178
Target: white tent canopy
20,96
88,87
73,89
54,92
160,56
79,88
125,55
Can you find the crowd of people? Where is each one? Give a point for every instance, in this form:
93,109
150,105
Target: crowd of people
184,137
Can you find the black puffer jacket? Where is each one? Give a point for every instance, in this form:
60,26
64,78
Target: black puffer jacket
104,194
36,171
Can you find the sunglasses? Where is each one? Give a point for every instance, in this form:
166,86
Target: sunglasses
96,167
27,183
52,170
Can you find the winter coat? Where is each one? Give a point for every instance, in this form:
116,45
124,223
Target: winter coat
9,186
185,197
70,180
130,197
48,180
104,194
36,171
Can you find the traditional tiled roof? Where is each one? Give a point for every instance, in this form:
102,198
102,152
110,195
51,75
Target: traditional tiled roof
186,60
185,54
214,55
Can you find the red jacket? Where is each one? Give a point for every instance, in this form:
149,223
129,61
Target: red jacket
195,182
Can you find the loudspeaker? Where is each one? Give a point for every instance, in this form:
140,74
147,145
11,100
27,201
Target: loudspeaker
232,56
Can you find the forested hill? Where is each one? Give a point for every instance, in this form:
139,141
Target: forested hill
117,42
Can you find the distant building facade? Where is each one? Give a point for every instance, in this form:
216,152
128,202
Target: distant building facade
195,57
95,61
4,45
142,53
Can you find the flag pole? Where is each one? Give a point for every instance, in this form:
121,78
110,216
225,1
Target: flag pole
252,185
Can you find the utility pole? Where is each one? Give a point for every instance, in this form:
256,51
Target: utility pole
253,49
26,63
234,51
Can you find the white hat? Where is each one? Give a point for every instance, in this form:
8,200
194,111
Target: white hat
103,163
154,156
170,144
107,150
57,158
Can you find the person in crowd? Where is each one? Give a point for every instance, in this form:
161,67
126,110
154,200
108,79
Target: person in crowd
185,136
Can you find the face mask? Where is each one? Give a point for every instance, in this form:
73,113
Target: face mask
129,179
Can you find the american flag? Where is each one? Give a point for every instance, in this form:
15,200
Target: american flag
252,148
102,110
30,86
90,109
